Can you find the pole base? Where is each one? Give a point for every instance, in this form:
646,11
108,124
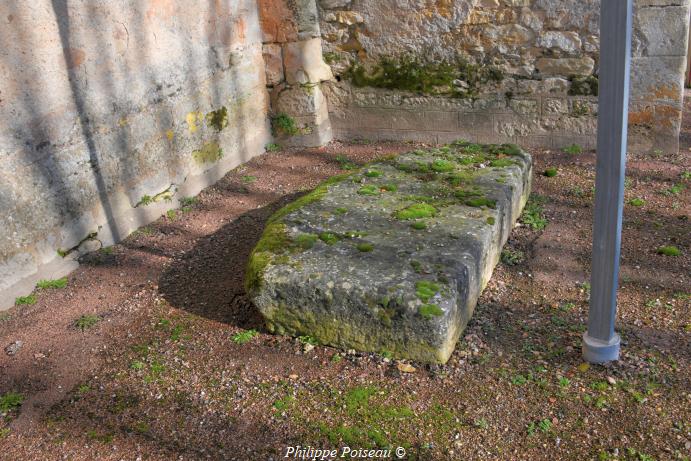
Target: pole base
598,351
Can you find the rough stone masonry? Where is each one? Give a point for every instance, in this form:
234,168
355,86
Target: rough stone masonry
394,257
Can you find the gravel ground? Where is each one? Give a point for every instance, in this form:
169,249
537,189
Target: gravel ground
152,350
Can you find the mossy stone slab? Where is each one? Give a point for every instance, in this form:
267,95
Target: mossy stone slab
392,258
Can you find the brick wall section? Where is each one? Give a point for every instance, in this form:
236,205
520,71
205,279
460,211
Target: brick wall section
539,44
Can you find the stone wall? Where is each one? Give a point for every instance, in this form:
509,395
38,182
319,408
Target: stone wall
110,112
545,51
295,70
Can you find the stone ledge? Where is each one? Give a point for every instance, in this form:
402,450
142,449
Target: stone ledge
394,257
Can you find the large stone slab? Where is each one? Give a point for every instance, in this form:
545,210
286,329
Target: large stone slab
391,258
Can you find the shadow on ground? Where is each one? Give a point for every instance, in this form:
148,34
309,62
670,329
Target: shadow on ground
208,281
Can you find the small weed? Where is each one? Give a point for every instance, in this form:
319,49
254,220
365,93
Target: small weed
188,202
365,247
245,336
585,288
141,427
512,257
86,321
519,380
341,210
172,215
10,401
481,423
95,435
284,124
345,163
308,340
686,176
283,404
57,283
675,189
273,147
599,386
564,382
544,425
389,187
25,300
4,432
83,388
551,172
669,250
145,200
491,220
577,191
137,365
573,149
532,215
249,179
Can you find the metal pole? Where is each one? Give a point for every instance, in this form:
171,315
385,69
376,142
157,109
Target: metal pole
600,342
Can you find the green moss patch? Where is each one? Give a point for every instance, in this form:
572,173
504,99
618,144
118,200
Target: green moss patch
365,247
419,225
481,202
373,173
442,166
669,250
440,77
551,172
416,211
306,241
369,189
328,238
502,163
425,289
430,311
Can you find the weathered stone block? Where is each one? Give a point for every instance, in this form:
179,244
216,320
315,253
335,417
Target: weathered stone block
304,62
565,66
569,42
392,258
273,63
664,30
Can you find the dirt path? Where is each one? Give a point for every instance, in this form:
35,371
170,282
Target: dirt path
162,373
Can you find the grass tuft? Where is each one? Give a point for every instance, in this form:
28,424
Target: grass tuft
57,283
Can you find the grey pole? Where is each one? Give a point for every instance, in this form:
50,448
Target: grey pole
600,342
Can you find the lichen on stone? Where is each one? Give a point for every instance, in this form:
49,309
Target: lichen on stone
218,119
209,153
